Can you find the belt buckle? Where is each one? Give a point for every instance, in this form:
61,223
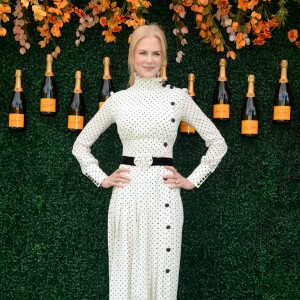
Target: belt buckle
143,163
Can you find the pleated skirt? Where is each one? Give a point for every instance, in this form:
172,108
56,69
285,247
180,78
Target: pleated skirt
144,237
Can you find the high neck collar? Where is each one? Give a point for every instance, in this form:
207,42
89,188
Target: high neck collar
147,83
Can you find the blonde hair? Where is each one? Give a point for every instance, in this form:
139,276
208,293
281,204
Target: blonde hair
138,34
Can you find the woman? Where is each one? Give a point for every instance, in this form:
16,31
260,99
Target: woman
145,214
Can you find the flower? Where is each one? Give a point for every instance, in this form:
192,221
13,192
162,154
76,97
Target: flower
2,31
109,37
187,2
183,42
180,10
179,56
231,54
293,35
103,21
42,44
184,30
38,13
274,21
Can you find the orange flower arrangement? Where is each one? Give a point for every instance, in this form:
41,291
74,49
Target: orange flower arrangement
245,21
110,17
51,15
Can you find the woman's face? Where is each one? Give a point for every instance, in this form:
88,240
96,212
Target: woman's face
148,57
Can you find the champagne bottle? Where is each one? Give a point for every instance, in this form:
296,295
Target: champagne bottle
106,84
163,73
185,128
249,126
17,107
49,91
282,98
221,101
76,109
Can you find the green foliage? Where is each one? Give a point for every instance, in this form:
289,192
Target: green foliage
282,12
241,235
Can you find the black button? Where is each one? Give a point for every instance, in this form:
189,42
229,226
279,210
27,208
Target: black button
164,84
167,271
168,227
165,178
167,205
165,144
172,103
172,120
171,86
168,249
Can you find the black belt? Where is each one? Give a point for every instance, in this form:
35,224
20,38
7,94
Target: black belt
157,161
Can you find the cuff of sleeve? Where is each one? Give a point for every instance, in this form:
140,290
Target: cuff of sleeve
198,180
96,175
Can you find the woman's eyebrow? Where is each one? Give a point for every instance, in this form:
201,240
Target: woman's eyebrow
149,51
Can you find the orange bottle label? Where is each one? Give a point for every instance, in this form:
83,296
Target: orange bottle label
101,104
16,120
282,113
75,122
249,127
185,127
47,105
221,111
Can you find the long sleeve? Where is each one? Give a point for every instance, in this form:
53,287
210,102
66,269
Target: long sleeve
217,147
91,132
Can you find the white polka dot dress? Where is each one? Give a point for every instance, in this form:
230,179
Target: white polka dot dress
146,217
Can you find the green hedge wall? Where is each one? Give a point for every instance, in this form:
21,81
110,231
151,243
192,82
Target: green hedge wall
241,237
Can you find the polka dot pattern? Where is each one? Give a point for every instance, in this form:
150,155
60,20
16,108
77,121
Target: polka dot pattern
145,217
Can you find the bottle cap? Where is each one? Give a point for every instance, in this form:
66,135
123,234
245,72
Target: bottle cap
191,77
78,74
106,60
251,78
49,57
284,63
222,62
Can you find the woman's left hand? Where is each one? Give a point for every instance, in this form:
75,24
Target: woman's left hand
176,180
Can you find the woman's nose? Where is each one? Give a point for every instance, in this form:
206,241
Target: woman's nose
149,58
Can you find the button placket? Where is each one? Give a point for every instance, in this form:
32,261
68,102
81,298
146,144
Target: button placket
168,227
168,242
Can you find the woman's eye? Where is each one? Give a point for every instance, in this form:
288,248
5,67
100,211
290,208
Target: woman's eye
156,53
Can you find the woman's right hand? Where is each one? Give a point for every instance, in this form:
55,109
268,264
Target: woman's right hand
116,179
